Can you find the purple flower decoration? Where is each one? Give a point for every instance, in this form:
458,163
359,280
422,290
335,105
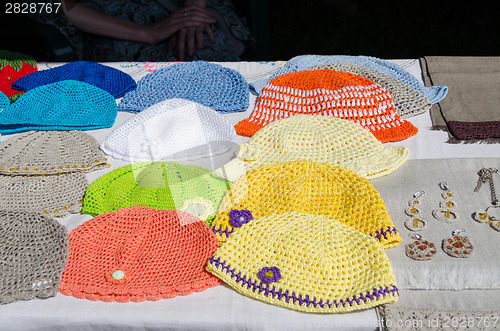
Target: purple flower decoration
239,217
269,274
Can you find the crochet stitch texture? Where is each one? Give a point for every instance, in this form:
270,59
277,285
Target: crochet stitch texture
111,80
329,93
137,254
307,263
302,62
407,101
209,84
66,105
174,129
13,66
33,254
159,185
50,152
313,188
316,138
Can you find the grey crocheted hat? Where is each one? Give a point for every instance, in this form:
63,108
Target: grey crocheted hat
50,152
57,195
33,255
407,101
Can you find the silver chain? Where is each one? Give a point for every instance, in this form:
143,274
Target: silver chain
486,175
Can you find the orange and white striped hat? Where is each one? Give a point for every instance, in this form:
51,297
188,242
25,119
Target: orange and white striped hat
329,93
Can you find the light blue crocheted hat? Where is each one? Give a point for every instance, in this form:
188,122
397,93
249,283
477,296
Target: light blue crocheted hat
302,62
209,84
111,80
66,105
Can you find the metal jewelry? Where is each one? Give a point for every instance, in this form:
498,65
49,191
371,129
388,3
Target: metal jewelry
457,245
419,249
415,222
445,212
486,175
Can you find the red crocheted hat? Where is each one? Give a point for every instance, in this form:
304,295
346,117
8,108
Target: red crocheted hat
330,93
139,253
12,67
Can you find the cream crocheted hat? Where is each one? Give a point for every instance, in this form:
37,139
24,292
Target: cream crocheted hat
33,254
50,152
307,187
306,262
407,101
175,129
56,195
316,138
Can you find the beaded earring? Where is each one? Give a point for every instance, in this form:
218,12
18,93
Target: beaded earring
420,249
457,245
445,212
486,175
415,222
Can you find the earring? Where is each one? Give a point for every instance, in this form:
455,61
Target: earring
415,222
445,211
486,175
485,217
419,249
457,245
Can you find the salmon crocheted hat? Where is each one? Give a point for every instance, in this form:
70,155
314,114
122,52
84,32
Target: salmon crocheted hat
308,187
138,254
306,262
50,152
407,101
13,66
33,254
174,129
159,185
111,80
330,93
316,138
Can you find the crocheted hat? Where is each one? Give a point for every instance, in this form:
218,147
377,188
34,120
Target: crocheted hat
209,84
308,187
137,254
175,129
12,67
302,62
330,93
33,254
66,105
57,195
407,101
50,152
111,80
159,185
306,262
316,138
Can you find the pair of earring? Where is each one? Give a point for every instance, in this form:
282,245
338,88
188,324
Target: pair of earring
487,217
445,212
486,175
456,246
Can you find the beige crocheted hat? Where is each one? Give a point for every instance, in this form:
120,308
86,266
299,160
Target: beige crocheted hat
306,262
407,101
57,195
33,254
50,152
316,138
307,187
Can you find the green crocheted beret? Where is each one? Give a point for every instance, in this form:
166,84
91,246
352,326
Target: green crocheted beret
159,185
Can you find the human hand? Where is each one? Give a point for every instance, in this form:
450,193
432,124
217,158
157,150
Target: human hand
190,17
191,37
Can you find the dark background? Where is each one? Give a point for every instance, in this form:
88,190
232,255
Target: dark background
389,29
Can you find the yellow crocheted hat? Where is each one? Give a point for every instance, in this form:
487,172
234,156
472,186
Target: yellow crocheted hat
316,138
307,187
306,262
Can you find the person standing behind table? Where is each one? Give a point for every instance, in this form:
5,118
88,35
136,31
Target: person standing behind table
145,30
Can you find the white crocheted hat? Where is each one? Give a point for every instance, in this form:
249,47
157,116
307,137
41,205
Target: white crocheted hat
172,130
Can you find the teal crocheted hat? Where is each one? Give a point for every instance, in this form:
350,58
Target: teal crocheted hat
159,185
65,105
209,84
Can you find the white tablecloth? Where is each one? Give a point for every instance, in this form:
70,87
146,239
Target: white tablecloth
218,308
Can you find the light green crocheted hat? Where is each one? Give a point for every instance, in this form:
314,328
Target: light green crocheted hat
159,185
